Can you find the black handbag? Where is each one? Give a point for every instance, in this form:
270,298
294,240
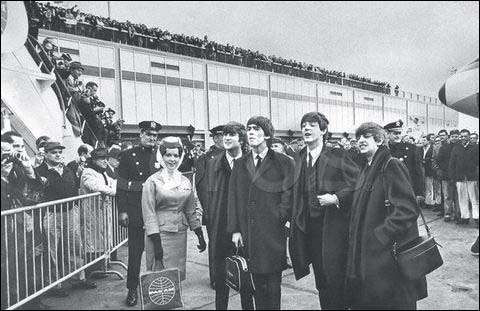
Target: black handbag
237,275
418,257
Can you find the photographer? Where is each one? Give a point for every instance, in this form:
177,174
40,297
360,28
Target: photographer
20,187
92,109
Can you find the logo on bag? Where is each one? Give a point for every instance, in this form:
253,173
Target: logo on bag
161,291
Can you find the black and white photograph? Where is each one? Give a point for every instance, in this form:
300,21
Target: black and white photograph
240,155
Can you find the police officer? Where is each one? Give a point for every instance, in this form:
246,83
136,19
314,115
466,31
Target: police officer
136,165
406,153
217,134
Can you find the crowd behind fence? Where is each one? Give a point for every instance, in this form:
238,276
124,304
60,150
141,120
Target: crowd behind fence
46,244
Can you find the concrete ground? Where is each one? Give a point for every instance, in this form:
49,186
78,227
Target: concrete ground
455,285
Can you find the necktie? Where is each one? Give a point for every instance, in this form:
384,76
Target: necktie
259,161
310,160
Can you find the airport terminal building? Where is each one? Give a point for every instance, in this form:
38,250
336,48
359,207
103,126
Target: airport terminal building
179,91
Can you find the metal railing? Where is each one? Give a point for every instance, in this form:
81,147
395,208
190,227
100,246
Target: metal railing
46,244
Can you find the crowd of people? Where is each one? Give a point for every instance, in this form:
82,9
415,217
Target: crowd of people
330,194
72,20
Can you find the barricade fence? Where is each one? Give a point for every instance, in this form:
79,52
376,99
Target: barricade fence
46,244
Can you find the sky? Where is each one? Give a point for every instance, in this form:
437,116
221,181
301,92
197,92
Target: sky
410,44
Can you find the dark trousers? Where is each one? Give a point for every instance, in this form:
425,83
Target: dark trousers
268,293
136,245
330,296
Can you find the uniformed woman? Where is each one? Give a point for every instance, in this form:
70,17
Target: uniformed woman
168,208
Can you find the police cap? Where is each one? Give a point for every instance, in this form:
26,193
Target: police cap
149,126
216,130
394,126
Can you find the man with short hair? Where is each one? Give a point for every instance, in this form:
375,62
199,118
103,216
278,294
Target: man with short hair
427,154
405,152
441,165
474,138
61,184
259,205
136,165
463,169
354,152
322,201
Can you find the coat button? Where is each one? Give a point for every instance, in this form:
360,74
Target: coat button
140,173
133,154
137,163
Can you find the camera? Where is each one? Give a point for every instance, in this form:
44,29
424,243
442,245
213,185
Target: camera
11,157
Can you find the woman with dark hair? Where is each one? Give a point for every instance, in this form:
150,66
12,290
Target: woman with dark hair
384,212
168,209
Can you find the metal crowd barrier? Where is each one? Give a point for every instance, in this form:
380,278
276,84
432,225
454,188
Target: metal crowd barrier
46,244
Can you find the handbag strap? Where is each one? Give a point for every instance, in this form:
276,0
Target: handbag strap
384,168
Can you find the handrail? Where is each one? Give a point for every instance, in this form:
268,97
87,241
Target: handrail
49,203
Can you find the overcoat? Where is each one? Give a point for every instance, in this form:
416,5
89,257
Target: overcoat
427,161
259,204
336,173
217,178
373,278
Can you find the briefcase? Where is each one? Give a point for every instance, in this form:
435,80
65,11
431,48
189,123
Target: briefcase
161,290
237,275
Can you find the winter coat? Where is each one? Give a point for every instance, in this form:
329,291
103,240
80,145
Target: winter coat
259,204
217,179
336,173
373,278
463,164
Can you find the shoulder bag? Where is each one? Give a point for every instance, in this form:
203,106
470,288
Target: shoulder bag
418,257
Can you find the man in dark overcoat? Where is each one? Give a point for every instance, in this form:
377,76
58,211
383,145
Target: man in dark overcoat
136,165
321,209
259,204
217,179
374,281
201,186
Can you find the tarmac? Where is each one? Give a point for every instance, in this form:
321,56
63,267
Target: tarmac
453,286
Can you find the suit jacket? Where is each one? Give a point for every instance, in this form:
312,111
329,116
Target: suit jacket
259,204
336,173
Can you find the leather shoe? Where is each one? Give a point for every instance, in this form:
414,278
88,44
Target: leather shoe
132,298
